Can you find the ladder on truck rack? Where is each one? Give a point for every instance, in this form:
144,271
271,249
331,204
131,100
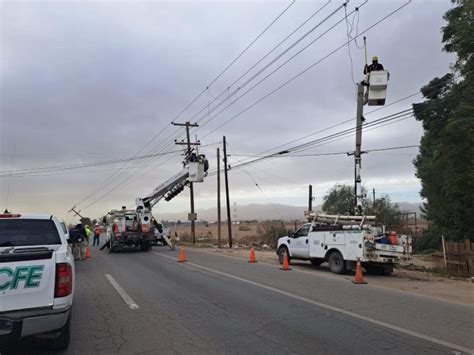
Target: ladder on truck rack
343,219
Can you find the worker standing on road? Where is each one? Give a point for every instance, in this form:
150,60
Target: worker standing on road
83,244
97,231
88,232
75,238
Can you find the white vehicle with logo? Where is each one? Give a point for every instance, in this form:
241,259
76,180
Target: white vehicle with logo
342,240
36,279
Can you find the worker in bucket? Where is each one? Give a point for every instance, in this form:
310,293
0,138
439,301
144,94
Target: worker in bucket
375,66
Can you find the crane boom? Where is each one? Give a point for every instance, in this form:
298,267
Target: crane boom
194,170
159,192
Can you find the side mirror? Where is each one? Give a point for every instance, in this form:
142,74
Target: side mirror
291,234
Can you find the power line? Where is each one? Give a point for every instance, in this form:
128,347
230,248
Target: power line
401,114
308,68
277,69
196,98
352,119
349,45
258,62
275,60
79,166
85,165
390,14
287,61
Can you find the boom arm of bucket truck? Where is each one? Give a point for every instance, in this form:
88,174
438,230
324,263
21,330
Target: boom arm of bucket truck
194,170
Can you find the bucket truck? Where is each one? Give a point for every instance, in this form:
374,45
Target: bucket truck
137,227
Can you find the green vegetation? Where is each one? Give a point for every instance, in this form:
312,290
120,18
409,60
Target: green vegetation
445,164
340,200
270,231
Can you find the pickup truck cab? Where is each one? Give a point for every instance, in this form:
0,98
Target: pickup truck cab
36,279
342,242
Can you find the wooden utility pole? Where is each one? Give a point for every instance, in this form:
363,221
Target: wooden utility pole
218,199
227,197
310,200
192,215
358,152
373,195
76,213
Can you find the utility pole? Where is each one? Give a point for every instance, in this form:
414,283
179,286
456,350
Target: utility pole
76,213
218,199
373,195
192,215
358,153
310,200
229,222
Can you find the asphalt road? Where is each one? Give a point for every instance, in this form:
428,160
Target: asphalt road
148,303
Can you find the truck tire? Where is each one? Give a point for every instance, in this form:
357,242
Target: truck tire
337,264
282,251
145,246
62,341
317,262
387,271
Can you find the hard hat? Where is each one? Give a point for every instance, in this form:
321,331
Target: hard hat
375,58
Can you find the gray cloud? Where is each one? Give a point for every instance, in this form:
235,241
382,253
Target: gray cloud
88,81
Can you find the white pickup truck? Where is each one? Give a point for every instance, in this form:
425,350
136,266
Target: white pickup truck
341,242
36,279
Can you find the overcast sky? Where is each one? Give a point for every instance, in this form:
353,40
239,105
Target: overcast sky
93,81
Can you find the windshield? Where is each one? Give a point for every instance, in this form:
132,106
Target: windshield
22,232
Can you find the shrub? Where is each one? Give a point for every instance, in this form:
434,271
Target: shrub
270,231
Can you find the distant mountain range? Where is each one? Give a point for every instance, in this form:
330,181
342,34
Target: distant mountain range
262,212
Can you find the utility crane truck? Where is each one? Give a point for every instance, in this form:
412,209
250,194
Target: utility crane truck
137,227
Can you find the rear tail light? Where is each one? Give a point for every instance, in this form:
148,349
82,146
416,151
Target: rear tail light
63,280
9,215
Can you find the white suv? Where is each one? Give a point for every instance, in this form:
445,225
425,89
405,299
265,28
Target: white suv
36,279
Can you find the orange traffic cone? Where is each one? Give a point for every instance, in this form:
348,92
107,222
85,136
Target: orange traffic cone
252,258
286,264
88,252
359,277
182,257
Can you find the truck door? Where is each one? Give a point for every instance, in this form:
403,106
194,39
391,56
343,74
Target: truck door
300,243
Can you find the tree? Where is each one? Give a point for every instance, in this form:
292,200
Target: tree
340,200
445,163
386,212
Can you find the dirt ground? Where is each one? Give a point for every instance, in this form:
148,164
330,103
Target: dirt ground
243,233
410,280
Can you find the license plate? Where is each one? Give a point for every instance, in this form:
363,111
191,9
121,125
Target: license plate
6,326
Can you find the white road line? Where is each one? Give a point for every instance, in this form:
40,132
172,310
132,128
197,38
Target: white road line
334,309
126,298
